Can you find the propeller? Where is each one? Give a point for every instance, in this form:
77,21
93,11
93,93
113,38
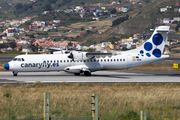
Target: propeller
71,56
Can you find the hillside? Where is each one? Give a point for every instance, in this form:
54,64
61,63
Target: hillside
148,18
140,20
18,9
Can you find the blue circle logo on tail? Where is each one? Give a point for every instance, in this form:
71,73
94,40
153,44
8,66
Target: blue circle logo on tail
148,46
157,39
157,53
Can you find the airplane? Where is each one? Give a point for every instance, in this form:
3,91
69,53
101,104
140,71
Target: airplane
86,62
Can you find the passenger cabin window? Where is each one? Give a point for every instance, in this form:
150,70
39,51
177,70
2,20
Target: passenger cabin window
23,59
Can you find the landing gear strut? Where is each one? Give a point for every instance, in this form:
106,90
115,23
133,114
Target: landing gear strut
15,73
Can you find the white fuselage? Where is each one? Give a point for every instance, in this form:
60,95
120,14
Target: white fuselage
58,62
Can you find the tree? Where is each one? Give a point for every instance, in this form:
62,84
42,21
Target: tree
40,48
82,3
82,28
113,11
47,6
124,49
69,44
20,49
89,32
120,20
37,47
177,28
147,1
12,44
52,1
31,36
18,6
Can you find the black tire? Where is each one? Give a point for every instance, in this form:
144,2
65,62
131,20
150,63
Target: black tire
87,73
76,74
15,74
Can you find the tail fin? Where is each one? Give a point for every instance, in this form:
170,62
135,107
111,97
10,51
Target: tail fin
155,45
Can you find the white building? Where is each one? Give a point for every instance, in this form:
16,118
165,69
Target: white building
26,48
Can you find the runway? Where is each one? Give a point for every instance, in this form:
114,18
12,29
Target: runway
97,77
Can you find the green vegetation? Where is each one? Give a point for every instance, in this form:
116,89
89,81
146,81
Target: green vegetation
6,45
116,101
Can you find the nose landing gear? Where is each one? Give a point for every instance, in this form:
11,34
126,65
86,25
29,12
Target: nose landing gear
15,73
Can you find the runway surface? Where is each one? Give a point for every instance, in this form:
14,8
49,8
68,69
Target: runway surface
97,77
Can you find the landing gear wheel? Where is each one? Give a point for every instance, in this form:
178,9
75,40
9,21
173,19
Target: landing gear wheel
87,73
76,74
15,73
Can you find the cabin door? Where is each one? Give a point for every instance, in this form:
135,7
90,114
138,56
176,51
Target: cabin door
129,61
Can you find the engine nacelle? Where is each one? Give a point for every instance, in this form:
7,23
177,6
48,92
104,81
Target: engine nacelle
76,69
81,56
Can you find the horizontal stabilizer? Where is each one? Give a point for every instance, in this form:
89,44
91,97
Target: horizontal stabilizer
162,29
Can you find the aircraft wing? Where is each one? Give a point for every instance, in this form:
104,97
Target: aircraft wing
87,55
98,55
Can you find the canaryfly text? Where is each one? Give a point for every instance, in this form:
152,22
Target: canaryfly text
40,65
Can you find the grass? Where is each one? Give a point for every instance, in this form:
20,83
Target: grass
2,66
155,67
116,101
77,26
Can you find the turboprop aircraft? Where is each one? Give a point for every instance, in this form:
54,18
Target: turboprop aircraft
87,62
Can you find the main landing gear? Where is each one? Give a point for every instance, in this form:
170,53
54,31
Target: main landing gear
86,73
77,74
15,73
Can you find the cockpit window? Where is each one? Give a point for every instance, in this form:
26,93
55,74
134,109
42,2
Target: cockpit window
15,59
18,59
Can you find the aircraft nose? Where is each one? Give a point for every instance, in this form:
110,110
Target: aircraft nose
6,66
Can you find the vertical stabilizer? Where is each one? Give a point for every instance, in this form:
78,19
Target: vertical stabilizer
155,45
